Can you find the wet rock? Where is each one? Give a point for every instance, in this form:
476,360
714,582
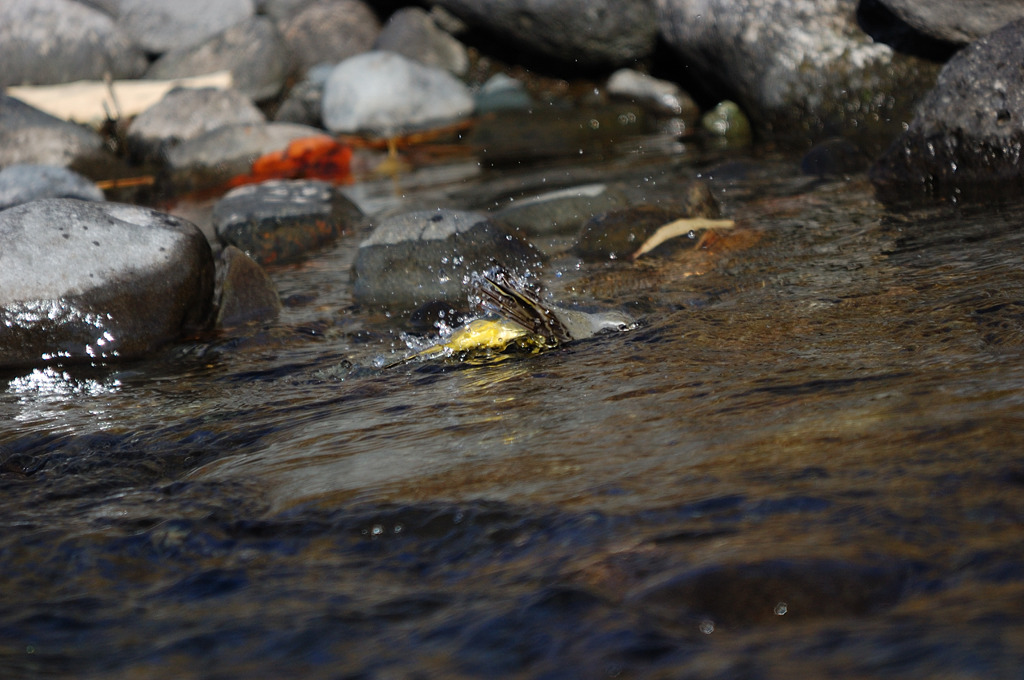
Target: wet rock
252,50
413,33
798,69
728,122
184,114
836,157
304,101
619,233
387,92
957,21
58,41
580,33
23,183
330,31
559,212
966,137
81,280
426,256
281,221
220,154
775,590
164,26
245,293
659,95
502,92
27,135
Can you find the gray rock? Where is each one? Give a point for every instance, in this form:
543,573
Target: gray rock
330,31
184,114
282,221
23,183
83,281
252,50
662,96
163,26
957,21
413,33
245,293
27,135
559,212
427,256
58,41
386,93
502,92
304,101
966,138
586,33
799,69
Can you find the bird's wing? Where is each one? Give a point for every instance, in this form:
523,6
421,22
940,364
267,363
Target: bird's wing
511,297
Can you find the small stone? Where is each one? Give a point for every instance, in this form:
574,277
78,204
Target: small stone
23,183
428,256
387,93
559,212
728,122
330,31
661,96
413,33
27,135
245,293
281,221
85,281
304,101
164,26
502,92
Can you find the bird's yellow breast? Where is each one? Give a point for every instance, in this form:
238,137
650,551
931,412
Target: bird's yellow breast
480,335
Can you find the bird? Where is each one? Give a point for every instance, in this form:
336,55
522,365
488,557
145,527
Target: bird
515,314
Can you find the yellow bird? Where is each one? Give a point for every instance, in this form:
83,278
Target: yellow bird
517,315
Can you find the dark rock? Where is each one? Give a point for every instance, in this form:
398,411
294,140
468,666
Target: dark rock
27,135
413,33
163,26
281,221
58,41
561,211
23,183
957,21
386,93
836,157
427,256
305,100
966,139
802,70
184,114
580,33
330,31
252,50
85,281
661,96
245,293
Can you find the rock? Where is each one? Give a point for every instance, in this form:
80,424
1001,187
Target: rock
164,26
727,121
559,212
502,92
835,157
217,155
82,281
252,50
58,41
23,183
185,114
661,96
956,21
580,33
965,140
386,93
413,33
304,101
245,294
427,256
802,70
330,31
27,135
619,233
281,221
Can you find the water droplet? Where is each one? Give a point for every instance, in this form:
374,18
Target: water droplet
781,609
707,626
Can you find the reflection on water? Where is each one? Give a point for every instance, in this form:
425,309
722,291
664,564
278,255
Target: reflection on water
806,460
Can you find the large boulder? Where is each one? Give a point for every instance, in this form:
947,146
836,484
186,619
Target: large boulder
84,281
957,21
965,140
800,69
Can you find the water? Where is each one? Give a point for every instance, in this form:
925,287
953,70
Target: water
805,462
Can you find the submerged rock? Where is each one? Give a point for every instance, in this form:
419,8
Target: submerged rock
561,211
245,293
23,183
86,281
45,42
386,92
329,31
966,138
164,26
957,21
27,135
428,256
281,221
